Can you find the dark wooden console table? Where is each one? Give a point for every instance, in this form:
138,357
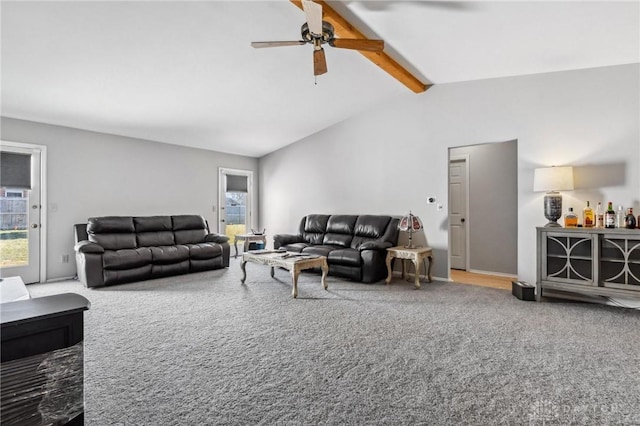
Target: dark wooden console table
42,372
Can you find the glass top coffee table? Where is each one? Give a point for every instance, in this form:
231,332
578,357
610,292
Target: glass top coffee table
293,262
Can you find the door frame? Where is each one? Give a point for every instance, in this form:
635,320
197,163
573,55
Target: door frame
42,150
222,190
467,252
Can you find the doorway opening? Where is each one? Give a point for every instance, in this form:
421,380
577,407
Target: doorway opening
483,209
235,193
22,195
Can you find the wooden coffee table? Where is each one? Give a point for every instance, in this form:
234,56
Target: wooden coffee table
293,262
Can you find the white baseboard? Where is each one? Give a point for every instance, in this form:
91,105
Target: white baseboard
55,280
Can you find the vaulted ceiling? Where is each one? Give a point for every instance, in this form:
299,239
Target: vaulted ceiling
184,73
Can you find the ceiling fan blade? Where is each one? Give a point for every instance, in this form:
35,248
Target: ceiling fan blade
314,16
261,44
319,62
358,44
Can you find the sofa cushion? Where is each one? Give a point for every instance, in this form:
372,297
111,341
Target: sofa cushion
158,238
346,257
110,224
320,250
341,224
315,227
153,223
114,241
340,230
126,259
341,240
204,251
183,222
112,232
295,247
190,236
368,228
165,255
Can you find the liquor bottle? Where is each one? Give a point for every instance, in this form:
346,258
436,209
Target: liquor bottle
570,219
610,217
587,213
599,216
620,216
630,220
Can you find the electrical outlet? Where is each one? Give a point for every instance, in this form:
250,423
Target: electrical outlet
64,258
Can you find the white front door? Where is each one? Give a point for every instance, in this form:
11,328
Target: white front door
21,212
458,212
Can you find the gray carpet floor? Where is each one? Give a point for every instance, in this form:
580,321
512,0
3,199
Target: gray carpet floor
203,349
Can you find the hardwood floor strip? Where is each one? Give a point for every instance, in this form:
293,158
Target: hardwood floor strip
484,280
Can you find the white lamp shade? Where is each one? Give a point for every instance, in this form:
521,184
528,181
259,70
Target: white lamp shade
553,179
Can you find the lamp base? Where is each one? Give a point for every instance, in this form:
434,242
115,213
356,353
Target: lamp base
552,208
553,224
410,245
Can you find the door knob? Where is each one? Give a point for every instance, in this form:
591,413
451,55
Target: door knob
462,220
35,225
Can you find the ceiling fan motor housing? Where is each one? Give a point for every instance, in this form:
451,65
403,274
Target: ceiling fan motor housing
325,37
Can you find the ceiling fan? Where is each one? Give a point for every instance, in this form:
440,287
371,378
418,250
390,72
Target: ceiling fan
318,32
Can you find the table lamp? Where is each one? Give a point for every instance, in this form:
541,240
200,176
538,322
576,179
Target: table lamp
410,223
552,180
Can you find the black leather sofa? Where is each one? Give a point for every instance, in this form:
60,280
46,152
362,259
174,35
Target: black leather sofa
355,246
119,249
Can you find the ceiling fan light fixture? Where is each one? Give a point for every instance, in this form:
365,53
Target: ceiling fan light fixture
318,32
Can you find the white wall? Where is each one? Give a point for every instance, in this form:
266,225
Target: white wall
391,158
96,174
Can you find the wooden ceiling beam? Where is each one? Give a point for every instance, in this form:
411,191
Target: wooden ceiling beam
345,30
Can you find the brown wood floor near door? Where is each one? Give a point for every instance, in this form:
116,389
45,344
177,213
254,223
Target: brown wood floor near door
484,280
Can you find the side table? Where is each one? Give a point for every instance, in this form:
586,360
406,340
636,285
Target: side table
248,238
416,255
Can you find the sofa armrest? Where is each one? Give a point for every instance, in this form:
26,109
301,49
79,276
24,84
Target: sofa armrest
88,247
374,245
216,238
280,240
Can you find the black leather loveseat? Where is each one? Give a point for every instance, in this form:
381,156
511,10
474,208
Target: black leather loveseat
355,246
119,249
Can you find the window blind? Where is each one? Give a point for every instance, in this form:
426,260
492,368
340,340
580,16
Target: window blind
237,183
15,170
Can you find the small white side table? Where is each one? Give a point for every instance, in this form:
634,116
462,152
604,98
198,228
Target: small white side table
248,238
12,289
416,255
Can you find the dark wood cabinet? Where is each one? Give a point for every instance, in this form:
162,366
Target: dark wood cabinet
42,376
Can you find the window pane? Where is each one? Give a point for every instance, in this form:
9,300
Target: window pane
14,222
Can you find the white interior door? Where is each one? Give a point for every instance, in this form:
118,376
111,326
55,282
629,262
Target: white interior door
21,213
235,214
458,201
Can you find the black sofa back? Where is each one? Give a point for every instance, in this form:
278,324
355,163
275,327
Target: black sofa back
117,249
